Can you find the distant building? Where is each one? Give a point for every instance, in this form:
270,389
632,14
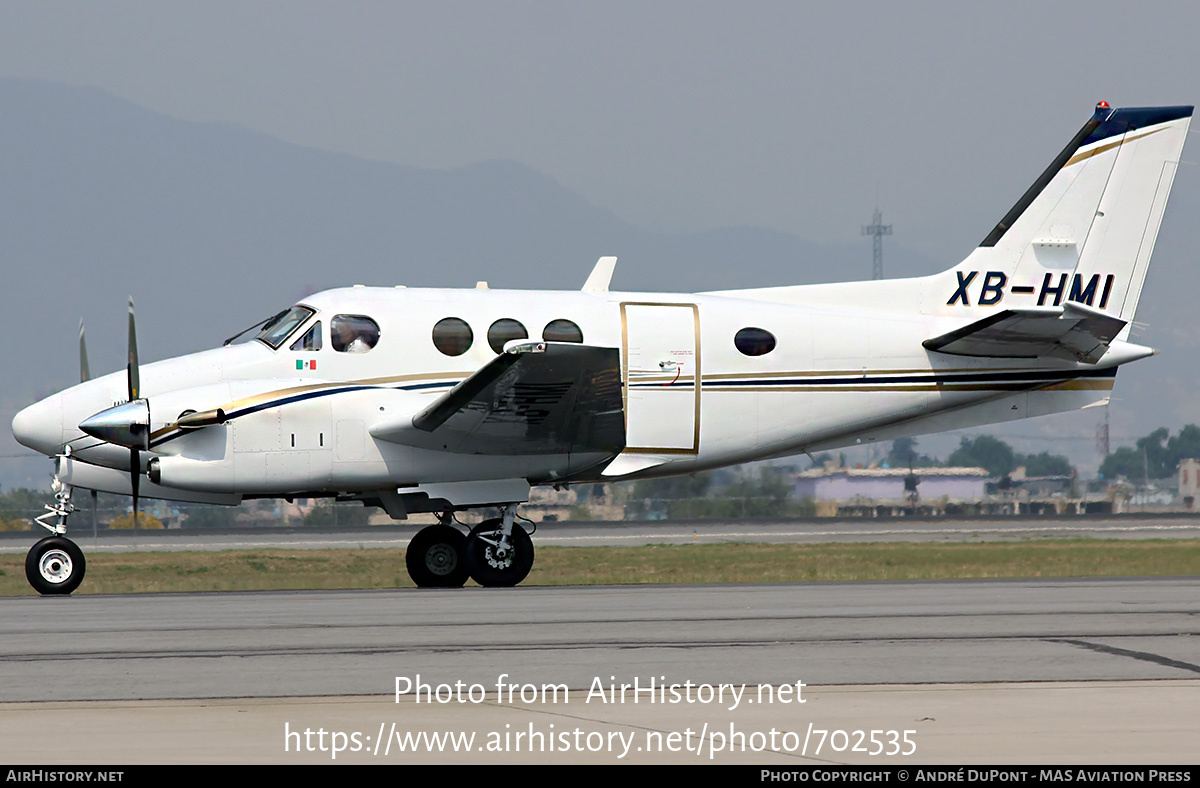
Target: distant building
1020,485
887,484
1189,482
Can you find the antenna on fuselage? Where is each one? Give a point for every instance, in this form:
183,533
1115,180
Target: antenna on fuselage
597,281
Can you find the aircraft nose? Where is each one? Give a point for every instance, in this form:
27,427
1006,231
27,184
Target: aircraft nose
40,426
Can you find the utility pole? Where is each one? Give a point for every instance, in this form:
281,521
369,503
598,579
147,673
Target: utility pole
1102,436
878,229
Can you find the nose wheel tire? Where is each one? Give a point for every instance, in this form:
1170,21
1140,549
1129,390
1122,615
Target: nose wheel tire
55,565
436,557
490,565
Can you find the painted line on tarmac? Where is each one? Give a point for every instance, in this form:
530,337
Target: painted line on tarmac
402,541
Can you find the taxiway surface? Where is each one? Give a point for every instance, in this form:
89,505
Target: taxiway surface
982,671
278,644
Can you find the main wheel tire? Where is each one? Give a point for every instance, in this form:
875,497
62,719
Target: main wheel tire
490,568
436,557
55,565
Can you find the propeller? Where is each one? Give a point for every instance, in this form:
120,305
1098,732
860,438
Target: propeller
127,424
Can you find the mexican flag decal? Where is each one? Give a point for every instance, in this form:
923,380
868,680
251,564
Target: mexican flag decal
312,364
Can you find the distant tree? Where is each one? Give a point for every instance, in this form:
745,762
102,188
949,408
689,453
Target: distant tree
674,497
145,521
1045,464
15,524
22,504
1125,462
904,453
328,514
1185,445
211,517
1155,453
761,492
984,451
695,485
1155,456
580,512
589,492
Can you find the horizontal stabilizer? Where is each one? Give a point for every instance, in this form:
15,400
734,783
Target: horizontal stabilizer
535,398
1072,332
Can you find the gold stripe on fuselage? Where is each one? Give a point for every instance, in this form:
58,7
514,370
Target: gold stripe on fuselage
268,396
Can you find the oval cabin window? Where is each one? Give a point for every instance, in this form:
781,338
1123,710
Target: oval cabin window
452,336
505,330
754,341
562,331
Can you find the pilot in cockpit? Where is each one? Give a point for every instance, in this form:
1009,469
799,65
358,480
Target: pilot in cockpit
353,334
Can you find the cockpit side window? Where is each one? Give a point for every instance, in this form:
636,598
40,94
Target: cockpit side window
311,340
278,328
353,333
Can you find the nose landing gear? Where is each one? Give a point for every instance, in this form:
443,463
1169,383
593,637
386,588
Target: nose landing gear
55,565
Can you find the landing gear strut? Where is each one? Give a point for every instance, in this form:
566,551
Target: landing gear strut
55,565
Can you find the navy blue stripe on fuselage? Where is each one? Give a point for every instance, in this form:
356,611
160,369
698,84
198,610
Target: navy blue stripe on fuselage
1007,381
307,395
1008,378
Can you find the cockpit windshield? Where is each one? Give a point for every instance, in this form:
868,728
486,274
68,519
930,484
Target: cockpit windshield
277,329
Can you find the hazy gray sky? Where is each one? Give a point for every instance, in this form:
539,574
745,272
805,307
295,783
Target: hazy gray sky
675,115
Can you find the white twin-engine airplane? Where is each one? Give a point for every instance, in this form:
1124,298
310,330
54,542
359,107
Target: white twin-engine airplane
424,400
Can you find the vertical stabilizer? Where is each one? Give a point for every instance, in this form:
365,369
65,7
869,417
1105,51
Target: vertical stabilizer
1084,230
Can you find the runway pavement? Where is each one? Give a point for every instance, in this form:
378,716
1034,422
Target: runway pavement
981,671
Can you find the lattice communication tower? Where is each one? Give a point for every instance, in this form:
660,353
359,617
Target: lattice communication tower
878,229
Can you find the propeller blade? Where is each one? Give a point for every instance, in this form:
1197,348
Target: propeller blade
135,477
135,384
85,373
135,389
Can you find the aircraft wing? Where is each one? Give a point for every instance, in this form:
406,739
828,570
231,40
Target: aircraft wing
1072,332
535,398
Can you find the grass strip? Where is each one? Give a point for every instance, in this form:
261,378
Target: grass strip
260,570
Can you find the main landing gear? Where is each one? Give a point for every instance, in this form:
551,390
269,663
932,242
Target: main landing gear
496,553
55,565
